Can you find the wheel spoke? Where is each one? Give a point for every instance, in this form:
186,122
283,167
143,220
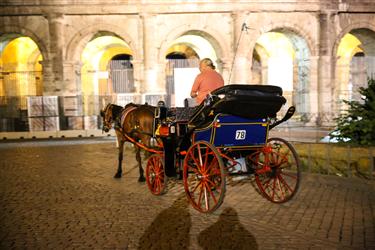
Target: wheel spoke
285,183
216,186
200,156
196,186
206,197
212,163
200,197
211,193
205,159
195,170
266,183
195,161
281,189
273,189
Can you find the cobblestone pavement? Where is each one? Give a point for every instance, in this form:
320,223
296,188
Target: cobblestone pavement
62,195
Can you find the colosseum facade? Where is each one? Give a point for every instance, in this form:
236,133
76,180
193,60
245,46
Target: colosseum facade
89,52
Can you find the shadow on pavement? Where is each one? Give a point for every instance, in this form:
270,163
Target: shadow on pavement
227,233
170,229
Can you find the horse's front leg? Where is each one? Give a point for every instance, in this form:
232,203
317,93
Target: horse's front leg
121,143
139,160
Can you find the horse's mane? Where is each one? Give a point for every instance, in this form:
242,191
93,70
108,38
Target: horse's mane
131,104
116,110
143,106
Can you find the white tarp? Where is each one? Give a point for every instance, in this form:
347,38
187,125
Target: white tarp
183,81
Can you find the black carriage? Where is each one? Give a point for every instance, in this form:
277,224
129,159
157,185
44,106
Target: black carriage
224,136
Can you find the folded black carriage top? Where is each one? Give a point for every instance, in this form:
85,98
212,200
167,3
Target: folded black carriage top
249,101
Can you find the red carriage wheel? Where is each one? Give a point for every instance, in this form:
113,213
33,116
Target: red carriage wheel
277,170
155,174
204,178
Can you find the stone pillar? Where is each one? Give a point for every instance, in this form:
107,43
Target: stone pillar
138,75
71,83
151,66
226,64
53,69
324,76
241,64
314,91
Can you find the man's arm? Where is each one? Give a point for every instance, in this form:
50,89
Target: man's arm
194,88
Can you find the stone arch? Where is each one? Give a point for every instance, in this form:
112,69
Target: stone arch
305,47
350,73
77,44
12,29
289,27
347,29
214,38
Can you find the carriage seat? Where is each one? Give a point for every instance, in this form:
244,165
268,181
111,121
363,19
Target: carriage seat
249,101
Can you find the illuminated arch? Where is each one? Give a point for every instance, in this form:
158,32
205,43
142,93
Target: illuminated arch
212,36
20,59
79,41
300,49
95,58
289,28
348,29
353,51
12,31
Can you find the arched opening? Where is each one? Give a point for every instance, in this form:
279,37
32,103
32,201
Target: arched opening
20,78
183,57
282,58
355,63
21,68
103,55
107,71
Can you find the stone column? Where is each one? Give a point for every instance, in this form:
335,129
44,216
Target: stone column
72,85
226,64
241,65
138,75
53,69
314,92
151,67
324,76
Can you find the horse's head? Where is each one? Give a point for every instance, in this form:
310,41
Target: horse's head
107,115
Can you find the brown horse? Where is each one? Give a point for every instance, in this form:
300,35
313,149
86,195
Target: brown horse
134,124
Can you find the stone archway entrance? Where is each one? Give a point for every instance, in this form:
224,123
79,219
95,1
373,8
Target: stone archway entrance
107,73
21,66
21,77
355,64
282,58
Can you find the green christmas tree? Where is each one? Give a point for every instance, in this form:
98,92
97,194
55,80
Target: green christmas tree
358,123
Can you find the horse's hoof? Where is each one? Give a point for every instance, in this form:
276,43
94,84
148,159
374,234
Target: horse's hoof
141,179
117,176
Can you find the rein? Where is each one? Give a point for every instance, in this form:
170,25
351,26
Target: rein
141,145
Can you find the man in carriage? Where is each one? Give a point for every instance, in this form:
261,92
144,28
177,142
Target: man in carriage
207,81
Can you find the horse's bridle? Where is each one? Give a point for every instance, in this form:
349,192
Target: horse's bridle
107,118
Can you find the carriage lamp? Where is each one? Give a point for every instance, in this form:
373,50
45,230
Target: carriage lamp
162,130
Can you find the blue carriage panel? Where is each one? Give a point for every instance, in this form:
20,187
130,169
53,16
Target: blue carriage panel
234,131
204,134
